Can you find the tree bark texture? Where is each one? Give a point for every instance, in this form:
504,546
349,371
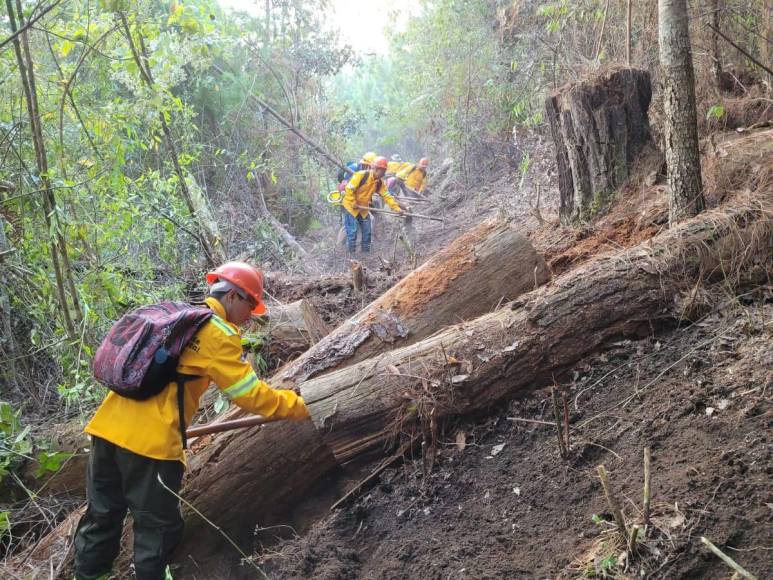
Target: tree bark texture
485,267
599,126
685,194
522,346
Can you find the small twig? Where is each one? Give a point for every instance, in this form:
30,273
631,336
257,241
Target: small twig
601,34
557,416
536,421
728,560
614,506
739,49
215,526
646,502
566,420
632,539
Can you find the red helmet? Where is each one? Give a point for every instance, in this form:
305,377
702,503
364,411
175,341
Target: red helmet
424,162
380,163
246,277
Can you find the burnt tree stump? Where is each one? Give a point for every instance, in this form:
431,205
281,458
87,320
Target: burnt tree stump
599,126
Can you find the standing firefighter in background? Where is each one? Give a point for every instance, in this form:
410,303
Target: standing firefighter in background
138,443
365,163
343,178
412,177
359,194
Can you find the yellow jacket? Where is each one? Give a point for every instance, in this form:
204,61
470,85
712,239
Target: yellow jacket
413,176
151,427
393,167
360,190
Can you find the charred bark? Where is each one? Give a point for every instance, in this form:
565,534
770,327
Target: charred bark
599,126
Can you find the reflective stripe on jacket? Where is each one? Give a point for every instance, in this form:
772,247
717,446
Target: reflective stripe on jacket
151,427
359,192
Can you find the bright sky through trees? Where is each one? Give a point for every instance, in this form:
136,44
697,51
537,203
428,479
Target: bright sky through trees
363,25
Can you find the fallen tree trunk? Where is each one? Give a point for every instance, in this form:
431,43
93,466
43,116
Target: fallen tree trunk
482,269
289,330
361,406
479,271
522,346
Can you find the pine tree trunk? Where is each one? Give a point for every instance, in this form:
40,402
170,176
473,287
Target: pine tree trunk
685,196
712,9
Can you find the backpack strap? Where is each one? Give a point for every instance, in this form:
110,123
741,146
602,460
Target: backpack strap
181,380
363,180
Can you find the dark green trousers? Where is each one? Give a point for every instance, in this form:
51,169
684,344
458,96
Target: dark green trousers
119,480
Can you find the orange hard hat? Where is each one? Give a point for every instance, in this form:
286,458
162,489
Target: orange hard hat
245,277
423,162
380,163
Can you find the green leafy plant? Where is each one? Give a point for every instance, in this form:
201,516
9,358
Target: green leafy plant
5,524
15,442
50,462
715,112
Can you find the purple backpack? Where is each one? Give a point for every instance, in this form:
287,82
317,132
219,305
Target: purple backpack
138,357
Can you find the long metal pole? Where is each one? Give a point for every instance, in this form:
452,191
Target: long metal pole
402,214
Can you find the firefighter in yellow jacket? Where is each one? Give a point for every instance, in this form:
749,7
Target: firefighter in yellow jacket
359,194
134,443
412,177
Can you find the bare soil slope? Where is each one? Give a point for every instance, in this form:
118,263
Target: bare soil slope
501,503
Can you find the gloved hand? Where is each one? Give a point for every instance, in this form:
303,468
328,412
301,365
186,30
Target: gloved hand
299,411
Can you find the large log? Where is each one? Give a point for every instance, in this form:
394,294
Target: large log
599,126
482,269
472,365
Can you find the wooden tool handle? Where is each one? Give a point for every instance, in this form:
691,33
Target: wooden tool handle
200,430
